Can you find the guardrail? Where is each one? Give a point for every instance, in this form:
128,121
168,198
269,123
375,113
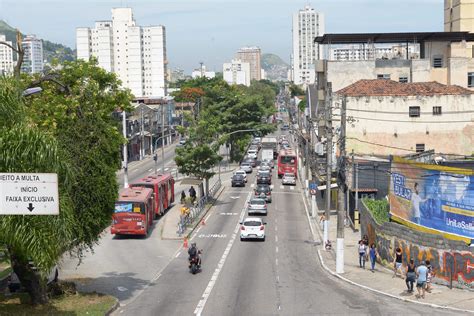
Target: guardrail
197,208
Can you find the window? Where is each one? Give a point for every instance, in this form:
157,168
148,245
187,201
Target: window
438,62
436,110
420,148
470,79
414,111
383,76
403,79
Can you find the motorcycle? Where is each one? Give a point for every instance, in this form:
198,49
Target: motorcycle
195,263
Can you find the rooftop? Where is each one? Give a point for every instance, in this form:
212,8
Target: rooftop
384,87
407,37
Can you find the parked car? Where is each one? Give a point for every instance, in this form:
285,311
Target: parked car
242,173
264,177
247,167
238,180
257,206
288,178
252,228
264,191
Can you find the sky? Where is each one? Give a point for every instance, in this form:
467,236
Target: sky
212,31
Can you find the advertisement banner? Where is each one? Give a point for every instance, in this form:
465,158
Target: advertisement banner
433,196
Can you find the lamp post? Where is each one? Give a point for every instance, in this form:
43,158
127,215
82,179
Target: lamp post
125,151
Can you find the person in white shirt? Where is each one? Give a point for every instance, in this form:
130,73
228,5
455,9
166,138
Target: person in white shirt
415,204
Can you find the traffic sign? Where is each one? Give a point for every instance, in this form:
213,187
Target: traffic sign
312,186
312,191
29,194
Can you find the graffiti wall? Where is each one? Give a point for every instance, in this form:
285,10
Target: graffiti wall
453,266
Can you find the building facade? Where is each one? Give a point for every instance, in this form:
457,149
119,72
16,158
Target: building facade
33,60
6,57
392,118
252,56
307,24
459,16
237,72
203,73
136,54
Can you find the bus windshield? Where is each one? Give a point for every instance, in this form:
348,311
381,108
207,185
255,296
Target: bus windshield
287,159
129,207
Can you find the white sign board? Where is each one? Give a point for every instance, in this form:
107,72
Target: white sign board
29,194
323,187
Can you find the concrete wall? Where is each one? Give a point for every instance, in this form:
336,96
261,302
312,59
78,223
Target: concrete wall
453,261
385,121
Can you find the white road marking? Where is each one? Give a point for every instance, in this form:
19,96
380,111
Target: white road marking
229,214
212,236
276,261
166,169
292,188
276,238
272,186
234,197
220,265
276,228
122,289
177,255
150,169
276,249
252,185
281,186
156,277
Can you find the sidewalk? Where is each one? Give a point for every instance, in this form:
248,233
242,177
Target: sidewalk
381,281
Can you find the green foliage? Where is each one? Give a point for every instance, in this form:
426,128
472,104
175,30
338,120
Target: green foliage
196,160
296,90
378,208
302,105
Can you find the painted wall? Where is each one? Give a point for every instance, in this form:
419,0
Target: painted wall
452,261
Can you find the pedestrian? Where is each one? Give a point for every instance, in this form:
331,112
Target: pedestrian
422,275
397,263
322,219
183,197
365,239
373,253
410,275
192,194
362,253
429,276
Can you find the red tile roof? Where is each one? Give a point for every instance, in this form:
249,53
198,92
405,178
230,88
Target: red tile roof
384,87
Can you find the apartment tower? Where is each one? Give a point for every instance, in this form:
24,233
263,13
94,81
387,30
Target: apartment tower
459,16
33,60
136,54
6,57
307,24
251,55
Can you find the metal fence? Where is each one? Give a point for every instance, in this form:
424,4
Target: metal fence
197,208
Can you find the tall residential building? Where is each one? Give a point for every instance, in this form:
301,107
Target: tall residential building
307,25
33,60
251,55
202,72
136,54
6,57
459,16
237,72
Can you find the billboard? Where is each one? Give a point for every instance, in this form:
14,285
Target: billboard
433,196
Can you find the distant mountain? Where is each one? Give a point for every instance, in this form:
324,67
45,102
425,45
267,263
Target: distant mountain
51,50
275,68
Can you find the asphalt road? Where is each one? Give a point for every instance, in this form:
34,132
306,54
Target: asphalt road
281,276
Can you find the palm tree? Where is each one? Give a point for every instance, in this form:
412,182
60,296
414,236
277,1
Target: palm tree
35,243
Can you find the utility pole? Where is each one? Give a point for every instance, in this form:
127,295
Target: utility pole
163,138
328,161
142,136
341,176
125,151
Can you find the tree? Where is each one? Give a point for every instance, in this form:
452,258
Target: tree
296,90
70,131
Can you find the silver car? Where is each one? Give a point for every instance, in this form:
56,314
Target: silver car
288,178
245,166
257,206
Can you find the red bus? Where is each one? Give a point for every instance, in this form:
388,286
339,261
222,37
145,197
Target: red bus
163,188
133,212
287,162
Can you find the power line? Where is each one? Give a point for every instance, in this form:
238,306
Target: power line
402,121
381,145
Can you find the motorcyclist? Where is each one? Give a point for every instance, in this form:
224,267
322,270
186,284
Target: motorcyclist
193,252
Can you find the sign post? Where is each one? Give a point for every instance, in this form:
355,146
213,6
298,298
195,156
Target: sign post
29,194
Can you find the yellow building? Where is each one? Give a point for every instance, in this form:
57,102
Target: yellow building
459,16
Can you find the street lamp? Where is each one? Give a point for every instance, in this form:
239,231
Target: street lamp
31,91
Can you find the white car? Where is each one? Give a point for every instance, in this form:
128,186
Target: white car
252,228
243,173
245,166
252,153
288,178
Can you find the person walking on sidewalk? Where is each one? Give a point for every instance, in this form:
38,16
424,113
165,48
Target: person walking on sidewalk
362,253
397,263
411,275
429,276
373,253
183,197
422,275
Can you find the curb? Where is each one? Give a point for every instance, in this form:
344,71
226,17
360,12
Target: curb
387,294
113,308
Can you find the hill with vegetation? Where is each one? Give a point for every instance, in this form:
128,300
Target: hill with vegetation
50,50
275,68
